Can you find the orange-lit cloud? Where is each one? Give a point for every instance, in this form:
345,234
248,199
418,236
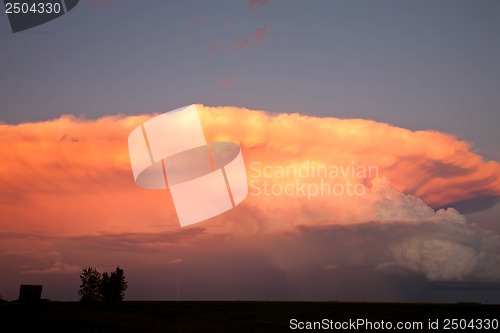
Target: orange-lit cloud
433,166
66,187
70,168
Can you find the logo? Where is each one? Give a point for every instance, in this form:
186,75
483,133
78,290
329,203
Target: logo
205,179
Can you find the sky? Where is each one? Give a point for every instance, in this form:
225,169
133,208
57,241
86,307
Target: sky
409,88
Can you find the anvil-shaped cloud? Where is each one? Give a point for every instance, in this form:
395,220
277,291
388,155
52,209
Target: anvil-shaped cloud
69,181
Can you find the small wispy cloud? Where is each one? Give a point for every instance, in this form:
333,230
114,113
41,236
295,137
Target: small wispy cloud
99,3
58,267
175,261
247,42
214,47
260,34
252,4
197,19
230,80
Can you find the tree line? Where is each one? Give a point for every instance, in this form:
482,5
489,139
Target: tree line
97,287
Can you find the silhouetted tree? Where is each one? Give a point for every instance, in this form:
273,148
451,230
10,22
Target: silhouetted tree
90,288
105,287
117,285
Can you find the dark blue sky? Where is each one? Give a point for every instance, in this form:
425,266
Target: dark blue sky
414,64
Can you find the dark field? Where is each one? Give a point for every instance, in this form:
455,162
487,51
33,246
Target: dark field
226,316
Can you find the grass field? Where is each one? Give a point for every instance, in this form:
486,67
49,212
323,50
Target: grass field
200,316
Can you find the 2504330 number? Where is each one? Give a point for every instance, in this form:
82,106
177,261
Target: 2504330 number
35,8
462,324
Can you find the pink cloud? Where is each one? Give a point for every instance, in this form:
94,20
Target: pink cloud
99,3
252,4
228,23
47,49
197,19
214,47
175,261
230,80
246,42
259,35
242,42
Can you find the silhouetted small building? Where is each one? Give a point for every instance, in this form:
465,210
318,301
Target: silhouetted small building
30,293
